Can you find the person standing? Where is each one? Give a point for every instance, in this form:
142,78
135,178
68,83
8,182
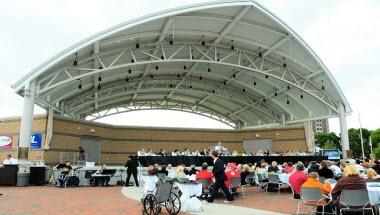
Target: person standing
220,177
82,156
132,165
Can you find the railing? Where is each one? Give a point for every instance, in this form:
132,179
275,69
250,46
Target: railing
75,158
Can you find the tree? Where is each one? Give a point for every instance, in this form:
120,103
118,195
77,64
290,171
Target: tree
375,135
355,143
324,140
377,152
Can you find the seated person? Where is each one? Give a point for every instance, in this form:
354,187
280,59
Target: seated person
231,172
162,152
100,177
171,171
288,167
313,167
372,175
350,181
186,152
9,160
262,170
179,172
324,171
142,152
297,179
176,153
204,152
152,170
204,173
162,170
234,153
244,173
313,181
273,167
192,170
150,153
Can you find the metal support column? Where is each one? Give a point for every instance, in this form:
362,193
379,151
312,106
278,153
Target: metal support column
343,131
26,120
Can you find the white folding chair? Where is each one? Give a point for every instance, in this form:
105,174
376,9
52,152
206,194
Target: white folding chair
355,200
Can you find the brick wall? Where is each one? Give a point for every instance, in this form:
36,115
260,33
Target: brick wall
117,142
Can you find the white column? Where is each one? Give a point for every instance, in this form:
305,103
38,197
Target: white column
344,142
283,119
27,120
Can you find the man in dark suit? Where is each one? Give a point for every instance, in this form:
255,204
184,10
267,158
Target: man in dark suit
220,177
132,165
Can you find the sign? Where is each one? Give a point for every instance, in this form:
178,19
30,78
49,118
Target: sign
5,142
36,140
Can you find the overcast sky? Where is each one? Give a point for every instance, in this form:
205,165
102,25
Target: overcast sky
345,34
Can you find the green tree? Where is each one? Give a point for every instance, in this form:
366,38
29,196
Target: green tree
329,145
377,152
331,139
375,135
355,143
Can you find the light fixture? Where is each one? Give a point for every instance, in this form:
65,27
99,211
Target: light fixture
129,71
156,67
184,67
100,78
232,45
99,87
301,96
217,56
127,79
224,82
132,61
284,65
266,76
288,87
75,63
287,99
209,69
190,86
323,87
203,40
264,100
234,75
178,75
275,92
80,84
213,91
171,85
243,90
254,83
162,57
200,78
151,76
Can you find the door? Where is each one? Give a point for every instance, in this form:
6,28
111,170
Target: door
92,148
257,145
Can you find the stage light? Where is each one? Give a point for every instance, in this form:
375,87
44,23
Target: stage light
213,91
171,85
151,76
301,96
323,87
156,67
264,100
266,76
232,45
254,83
137,45
80,86
287,99
132,61
75,63
178,75
234,75
275,93
209,69
129,71
224,82
99,87
190,86
100,78
184,67
171,42
127,79
288,87
243,90
203,43
200,78
162,57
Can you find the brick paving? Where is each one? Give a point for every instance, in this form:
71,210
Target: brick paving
109,200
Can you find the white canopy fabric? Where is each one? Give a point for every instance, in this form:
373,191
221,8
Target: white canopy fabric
233,61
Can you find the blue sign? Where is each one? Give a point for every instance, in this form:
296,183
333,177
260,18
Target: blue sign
36,140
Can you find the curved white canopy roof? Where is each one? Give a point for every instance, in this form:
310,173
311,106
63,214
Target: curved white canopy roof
233,61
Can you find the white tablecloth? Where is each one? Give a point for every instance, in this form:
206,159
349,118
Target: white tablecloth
374,193
284,177
188,190
149,183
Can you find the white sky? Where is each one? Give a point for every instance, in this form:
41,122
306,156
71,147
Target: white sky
344,33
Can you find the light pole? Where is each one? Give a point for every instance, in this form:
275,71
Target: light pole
361,137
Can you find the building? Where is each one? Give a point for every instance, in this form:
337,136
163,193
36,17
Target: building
320,126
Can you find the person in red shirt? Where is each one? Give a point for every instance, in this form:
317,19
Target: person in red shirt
297,179
204,173
231,172
288,167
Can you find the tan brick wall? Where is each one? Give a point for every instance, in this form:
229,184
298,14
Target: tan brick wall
11,127
118,142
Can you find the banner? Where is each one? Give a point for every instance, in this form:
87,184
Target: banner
5,142
36,140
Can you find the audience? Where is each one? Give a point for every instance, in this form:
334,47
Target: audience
297,179
313,182
313,167
231,172
336,170
376,167
179,172
244,173
162,170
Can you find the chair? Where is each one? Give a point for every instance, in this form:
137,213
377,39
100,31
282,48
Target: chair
261,182
250,179
311,196
235,183
355,200
275,179
206,183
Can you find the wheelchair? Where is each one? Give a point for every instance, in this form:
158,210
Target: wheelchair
164,196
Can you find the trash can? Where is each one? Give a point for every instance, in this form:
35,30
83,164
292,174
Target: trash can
23,179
